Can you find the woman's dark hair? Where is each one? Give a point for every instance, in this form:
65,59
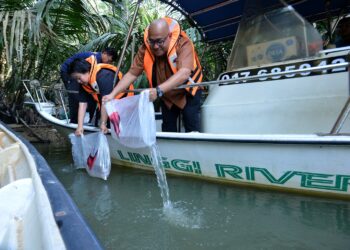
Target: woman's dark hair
79,66
111,52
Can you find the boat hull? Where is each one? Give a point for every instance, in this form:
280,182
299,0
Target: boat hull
309,164
306,164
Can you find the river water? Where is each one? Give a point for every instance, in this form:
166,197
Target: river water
126,212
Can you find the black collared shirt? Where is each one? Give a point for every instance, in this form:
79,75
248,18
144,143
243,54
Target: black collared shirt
104,80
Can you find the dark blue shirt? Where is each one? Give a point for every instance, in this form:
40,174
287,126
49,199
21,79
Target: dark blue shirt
82,55
341,43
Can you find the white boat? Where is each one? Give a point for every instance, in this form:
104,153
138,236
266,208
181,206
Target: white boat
37,96
277,125
36,212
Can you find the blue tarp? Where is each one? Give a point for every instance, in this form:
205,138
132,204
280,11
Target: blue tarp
219,19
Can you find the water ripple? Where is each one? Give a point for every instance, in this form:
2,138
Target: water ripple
183,215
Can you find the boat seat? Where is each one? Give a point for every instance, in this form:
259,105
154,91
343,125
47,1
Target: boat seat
12,165
5,141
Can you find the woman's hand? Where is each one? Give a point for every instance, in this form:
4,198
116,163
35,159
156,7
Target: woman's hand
79,131
103,128
107,98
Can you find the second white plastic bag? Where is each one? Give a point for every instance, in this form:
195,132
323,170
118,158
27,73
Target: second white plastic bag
92,153
77,151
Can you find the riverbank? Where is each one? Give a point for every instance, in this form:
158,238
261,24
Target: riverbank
42,133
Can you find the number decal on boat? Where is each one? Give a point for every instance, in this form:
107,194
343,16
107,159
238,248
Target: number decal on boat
285,68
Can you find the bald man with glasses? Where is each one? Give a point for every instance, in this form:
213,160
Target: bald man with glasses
168,58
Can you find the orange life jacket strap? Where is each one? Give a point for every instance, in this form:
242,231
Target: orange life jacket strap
95,68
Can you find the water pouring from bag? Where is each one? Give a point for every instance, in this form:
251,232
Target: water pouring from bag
161,176
133,125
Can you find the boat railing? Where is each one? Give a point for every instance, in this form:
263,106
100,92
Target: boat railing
344,113
59,91
341,118
239,80
340,49
36,94
35,97
244,79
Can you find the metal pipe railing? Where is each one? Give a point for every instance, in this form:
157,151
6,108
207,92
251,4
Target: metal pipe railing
63,105
341,118
25,86
343,114
39,102
255,77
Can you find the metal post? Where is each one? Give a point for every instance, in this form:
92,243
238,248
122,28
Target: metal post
243,79
31,97
64,108
343,114
42,95
341,118
126,42
132,49
37,96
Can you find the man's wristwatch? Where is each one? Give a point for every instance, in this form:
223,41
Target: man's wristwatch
160,93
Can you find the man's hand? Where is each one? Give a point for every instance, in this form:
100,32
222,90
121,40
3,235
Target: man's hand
107,98
79,131
153,94
103,128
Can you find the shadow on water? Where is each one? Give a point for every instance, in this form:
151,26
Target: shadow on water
126,212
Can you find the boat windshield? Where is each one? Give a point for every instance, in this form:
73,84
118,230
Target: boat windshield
272,35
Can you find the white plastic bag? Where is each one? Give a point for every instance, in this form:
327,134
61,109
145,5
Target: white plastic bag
132,120
77,151
93,154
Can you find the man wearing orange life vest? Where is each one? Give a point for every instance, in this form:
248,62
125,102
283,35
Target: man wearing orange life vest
169,60
97,80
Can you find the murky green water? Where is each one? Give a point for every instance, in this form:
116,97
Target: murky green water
126,212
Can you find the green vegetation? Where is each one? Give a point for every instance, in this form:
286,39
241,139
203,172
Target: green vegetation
37,36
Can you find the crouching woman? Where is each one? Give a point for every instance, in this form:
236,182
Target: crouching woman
97,80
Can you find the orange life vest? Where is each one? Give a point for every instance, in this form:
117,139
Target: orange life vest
148,61
92,88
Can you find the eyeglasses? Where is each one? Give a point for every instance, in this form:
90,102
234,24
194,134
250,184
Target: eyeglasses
159,42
